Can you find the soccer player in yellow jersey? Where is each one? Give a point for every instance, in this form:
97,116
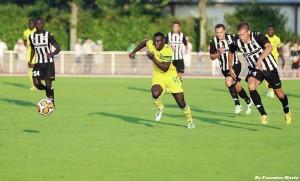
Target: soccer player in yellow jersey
164,75
26,33
276,52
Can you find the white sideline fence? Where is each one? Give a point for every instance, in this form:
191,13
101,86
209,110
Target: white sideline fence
118,63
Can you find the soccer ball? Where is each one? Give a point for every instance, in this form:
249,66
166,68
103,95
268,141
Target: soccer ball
45,107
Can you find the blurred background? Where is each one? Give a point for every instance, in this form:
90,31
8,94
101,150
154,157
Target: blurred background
104,32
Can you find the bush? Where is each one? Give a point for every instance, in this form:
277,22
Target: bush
259,17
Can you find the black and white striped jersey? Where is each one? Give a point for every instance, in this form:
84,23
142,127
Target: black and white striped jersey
176,40
42,43
216,44
253,49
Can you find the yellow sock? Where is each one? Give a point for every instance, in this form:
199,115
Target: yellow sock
158,103
187,113
30,76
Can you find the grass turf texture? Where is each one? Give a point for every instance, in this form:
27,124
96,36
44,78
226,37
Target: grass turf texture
103,129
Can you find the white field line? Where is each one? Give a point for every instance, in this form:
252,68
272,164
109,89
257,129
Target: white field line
139,108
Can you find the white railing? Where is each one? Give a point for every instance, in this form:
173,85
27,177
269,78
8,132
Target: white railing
118,63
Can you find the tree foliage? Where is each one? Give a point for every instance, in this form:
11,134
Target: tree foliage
12,24
116,22
16,19
259,17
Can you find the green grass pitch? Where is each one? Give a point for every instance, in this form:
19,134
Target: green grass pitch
103,129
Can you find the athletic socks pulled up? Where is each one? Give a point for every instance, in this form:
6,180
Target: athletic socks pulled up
257,102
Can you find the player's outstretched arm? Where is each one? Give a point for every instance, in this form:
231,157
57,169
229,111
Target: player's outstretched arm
140,46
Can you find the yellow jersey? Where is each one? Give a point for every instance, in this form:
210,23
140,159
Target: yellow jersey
26,34
276,43
164,55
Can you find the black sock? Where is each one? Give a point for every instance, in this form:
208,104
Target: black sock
50,93
257,102
234,95
285,104
244,96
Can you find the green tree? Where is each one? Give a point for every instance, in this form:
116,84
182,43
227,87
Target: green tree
116,22
13,23
259,17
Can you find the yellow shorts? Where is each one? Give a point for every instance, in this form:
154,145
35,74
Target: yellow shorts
173,83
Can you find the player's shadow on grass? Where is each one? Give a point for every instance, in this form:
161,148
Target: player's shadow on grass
233,124
227,123
220,90
30,131
206,111
16,85
293,95
132,119
218,121
139,89
196,109
213,120
17,102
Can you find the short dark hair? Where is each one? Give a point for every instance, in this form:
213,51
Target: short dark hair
31,19
243,26
176,22
220,26
159,34
271,26
38,18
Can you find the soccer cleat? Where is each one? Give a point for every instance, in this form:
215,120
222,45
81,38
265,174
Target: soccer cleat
264,119
191,125
288,118
248,110
158,115
238,109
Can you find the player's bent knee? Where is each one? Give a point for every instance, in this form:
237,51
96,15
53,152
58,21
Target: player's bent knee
38,85
182,105
156,91
156,94
251,87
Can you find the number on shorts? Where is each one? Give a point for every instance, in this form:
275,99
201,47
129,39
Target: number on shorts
253,73
36,73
